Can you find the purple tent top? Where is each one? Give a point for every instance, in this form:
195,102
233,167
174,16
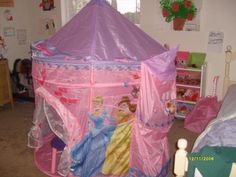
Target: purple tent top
98,32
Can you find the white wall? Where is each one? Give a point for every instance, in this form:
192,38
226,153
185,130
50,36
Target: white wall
37,16
27,15
21,15
216,15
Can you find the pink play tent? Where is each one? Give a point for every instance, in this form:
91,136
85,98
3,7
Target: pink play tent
106,90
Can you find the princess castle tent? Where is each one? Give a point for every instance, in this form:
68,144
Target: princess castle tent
105,89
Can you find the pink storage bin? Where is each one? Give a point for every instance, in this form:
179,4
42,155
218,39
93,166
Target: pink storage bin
182,58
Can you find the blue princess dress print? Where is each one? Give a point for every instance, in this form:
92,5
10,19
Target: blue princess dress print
89,154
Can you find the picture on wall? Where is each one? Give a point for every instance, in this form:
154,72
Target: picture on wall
9,31
8,15
47,26
21,36
47,5
181,15
215,41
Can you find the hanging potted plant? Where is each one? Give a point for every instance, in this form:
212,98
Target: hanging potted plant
178,11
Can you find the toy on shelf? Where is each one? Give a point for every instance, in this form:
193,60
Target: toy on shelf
188,77
190,80
188,94
196,60
184,108
185,59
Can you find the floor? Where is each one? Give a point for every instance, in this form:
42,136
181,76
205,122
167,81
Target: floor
16,158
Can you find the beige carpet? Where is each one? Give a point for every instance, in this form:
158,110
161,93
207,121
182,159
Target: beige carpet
16,159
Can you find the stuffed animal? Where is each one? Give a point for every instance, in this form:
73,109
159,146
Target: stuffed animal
190,95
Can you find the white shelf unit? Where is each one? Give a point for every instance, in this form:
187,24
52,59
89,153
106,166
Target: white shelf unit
190,86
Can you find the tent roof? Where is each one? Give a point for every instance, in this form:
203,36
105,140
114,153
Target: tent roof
99,32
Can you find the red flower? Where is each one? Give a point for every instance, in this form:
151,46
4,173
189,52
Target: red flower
190,16
175,6
187,4
165,13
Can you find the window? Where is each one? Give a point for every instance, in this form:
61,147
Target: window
129,8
